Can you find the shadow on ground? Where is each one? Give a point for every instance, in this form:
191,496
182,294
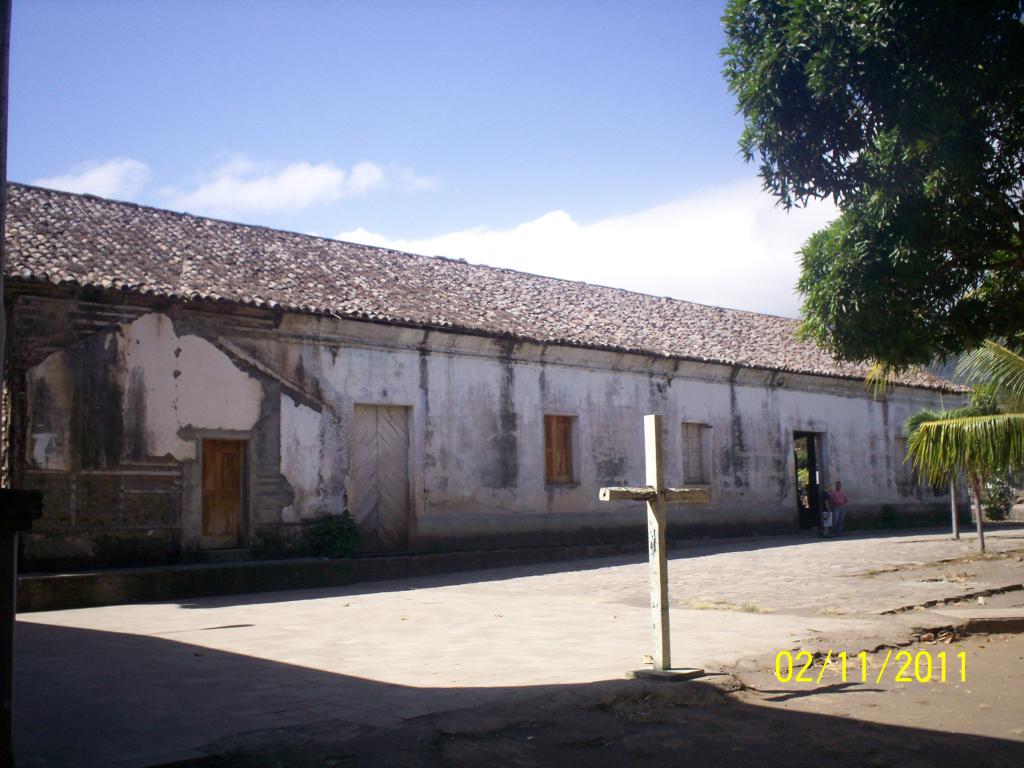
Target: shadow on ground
139,700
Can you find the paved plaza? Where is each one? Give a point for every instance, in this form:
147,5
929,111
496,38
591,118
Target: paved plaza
143,684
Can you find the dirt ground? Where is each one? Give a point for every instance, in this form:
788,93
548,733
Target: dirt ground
524,666
989,703
723,720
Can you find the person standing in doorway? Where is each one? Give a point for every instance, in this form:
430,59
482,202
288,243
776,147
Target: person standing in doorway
837,501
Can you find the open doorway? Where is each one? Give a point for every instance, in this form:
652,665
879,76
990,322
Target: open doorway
806,460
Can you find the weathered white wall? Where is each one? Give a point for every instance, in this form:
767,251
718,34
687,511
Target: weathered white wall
476,424
185,382
302,461
477,428
50,391
166,383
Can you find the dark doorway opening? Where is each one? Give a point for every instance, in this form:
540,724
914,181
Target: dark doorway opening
808,479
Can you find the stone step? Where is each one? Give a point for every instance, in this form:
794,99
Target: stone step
233,555
116,586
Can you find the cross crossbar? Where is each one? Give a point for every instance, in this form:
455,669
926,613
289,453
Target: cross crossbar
647,493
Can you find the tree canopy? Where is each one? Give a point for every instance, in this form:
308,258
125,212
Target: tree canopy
910,116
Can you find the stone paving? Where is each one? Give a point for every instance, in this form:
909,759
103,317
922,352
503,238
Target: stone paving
144,684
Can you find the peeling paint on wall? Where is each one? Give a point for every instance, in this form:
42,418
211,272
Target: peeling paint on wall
147,391
734,456
135,415
46,448
611,463
429,460
504,461
301,458
95,421
127,393
184,382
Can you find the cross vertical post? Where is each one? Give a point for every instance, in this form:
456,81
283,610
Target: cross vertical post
657,496
657,545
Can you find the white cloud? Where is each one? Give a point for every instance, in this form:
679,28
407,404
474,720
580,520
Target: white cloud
119,177
728,246
241,185
409,180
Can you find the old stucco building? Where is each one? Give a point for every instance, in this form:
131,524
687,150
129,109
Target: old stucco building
179,383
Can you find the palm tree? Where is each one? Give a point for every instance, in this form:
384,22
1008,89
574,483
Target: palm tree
983,438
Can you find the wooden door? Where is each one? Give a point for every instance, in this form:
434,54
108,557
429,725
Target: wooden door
222,493
379,496
558,462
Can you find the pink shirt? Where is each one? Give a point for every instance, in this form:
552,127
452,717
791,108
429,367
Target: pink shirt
837,498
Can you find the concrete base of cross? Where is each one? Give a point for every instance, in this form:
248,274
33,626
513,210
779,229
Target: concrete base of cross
665,675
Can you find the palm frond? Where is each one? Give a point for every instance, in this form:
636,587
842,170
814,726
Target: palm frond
879,377
915,420
995,364
980,444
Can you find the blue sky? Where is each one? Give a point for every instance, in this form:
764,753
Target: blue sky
587,140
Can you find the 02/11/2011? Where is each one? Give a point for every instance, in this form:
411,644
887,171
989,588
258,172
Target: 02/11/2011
920,667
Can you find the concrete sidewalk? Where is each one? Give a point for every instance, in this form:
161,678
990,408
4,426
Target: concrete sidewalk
142,684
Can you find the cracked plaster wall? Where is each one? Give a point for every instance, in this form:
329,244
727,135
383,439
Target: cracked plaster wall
476,405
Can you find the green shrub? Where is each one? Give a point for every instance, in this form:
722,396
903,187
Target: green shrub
997,499
890,517
332,536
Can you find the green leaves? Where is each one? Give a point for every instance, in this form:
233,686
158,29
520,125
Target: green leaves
984,445
911,117
980,438
998,366
332,536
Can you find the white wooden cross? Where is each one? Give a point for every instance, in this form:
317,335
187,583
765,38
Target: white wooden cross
656,494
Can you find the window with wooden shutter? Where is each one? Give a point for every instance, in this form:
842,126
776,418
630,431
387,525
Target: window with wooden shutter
558,449
694,470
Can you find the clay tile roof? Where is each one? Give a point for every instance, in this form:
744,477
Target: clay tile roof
63,238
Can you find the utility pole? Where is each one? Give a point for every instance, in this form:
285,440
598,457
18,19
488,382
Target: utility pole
5,62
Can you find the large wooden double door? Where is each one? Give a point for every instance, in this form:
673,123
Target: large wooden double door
379,471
